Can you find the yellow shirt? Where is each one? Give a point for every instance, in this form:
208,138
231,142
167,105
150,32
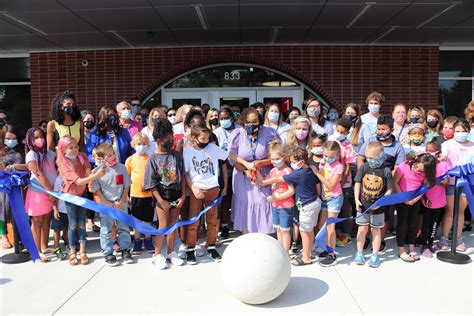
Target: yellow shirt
73,130
135,165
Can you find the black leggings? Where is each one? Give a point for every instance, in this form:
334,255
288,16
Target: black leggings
431,217
406,223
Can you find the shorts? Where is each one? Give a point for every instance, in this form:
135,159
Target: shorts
450,190
142,208
333,205
282,218
375,220
62,223
309,215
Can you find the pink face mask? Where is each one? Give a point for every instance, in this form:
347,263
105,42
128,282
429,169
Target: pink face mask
301,134
39,143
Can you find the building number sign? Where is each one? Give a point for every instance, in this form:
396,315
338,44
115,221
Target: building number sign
232,75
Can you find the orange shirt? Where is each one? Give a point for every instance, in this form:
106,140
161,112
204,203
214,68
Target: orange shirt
135,165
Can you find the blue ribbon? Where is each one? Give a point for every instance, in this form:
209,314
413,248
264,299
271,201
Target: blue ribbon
11,183
465,175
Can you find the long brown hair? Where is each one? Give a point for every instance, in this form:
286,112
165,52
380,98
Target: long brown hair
357,124
429,164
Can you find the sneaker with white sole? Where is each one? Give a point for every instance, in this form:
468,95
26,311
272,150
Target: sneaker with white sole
182,251
213,254
159,261
460,246
174,259
200,251
191,257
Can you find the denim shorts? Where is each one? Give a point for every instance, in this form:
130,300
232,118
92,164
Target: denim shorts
60,224
282,218
450,190
374,220
333,205
309,215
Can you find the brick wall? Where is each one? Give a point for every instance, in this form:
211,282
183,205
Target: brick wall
341,74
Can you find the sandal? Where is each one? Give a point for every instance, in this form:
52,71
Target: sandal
47,251
84,259
73,259
406,257
5,243
414,255
43,258
300,262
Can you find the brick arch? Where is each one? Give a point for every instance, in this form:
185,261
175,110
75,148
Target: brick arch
176,72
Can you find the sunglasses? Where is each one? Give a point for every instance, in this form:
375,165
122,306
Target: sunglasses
170,115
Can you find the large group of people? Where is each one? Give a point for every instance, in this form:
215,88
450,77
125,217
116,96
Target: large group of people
276,172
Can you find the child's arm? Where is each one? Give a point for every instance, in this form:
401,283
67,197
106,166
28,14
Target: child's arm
225,174
183,195
360,161
347,171
55,212
356,196
318,189
330,184
123,199
92,176
268,181
396,181
102,199
196,191
284,195
165,205
33,167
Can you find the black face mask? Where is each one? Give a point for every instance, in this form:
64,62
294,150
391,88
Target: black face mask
252,129
168,145
3,122
89,124
68,109
414,120
112,120
381,137
351,117
432,124
214,121
144,123
201,145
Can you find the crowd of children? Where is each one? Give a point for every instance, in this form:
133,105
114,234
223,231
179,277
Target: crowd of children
320,165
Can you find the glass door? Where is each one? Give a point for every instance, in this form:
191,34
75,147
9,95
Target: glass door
286,98
175,99
241,98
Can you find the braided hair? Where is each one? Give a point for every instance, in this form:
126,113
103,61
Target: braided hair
30,146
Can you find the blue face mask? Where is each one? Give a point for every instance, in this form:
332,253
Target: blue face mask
70,156
140,149
351,117
333,116
329,160
11,143
340,137
252,129
278,163
376,162
374,108
226,123
461,137
273,116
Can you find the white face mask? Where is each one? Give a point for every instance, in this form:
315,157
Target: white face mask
318,151
126,114
172,119
295,166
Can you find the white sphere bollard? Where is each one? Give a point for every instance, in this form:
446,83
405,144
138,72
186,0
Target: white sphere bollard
255,268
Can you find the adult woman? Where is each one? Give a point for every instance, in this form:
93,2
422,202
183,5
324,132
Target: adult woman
434,126
171,114
227,125
400,126
469,112
352,113
315,113
89,121
299,134
293,114
155,114
251,212
66,120
108,130
274,119
212,119
178,128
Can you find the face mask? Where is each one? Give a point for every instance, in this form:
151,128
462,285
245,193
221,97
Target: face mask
448,133
273,116
214,121
172,119
68,110
236,114
432,124
201,145
382,137
461,137
252,129
11,143
99,163
144,122
126,114
141,149
89,124
226,123
70,156
329,160
301,134
333,116
39,143
112,120
374,108
417,140
168,145
340,137
351,117
112,163
293,116
278,163
135,109
312,112
434,154
318,151
414,120
295,166
377,162
3,122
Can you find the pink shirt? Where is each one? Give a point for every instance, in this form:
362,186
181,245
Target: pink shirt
329,171
458,154
409,179
348,156
70,173
133,127
437,194
281,188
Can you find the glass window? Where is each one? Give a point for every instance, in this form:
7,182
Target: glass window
154,101
242,103
455,63
16,101
454,95
14,69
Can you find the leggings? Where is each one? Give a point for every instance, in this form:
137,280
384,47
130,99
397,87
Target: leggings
406,223
431,218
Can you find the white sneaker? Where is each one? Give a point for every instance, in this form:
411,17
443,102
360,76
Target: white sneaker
175,259
182,251
200,250
159,261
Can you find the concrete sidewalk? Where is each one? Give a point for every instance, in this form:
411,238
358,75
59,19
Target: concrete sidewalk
425,287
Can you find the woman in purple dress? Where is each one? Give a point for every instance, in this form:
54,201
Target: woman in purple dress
251,212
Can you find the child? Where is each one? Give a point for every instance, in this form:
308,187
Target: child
75,171
282,195
457,152
164,178
112,190
141,201
330,174
434,124
376,181
416,133
316,153
307,189
59,222
40,162
433,203
201,162
448,127
409,176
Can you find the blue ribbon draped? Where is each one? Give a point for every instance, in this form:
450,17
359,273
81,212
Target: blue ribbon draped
464,174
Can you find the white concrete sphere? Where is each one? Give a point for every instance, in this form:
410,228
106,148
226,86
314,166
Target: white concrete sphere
255,268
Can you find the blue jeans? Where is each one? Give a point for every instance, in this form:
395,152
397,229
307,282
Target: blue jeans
76,216
282,218
106,242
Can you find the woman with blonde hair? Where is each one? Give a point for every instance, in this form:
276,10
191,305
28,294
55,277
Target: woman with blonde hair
416,114
155,113
434,126
212,119
469,112
299,134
